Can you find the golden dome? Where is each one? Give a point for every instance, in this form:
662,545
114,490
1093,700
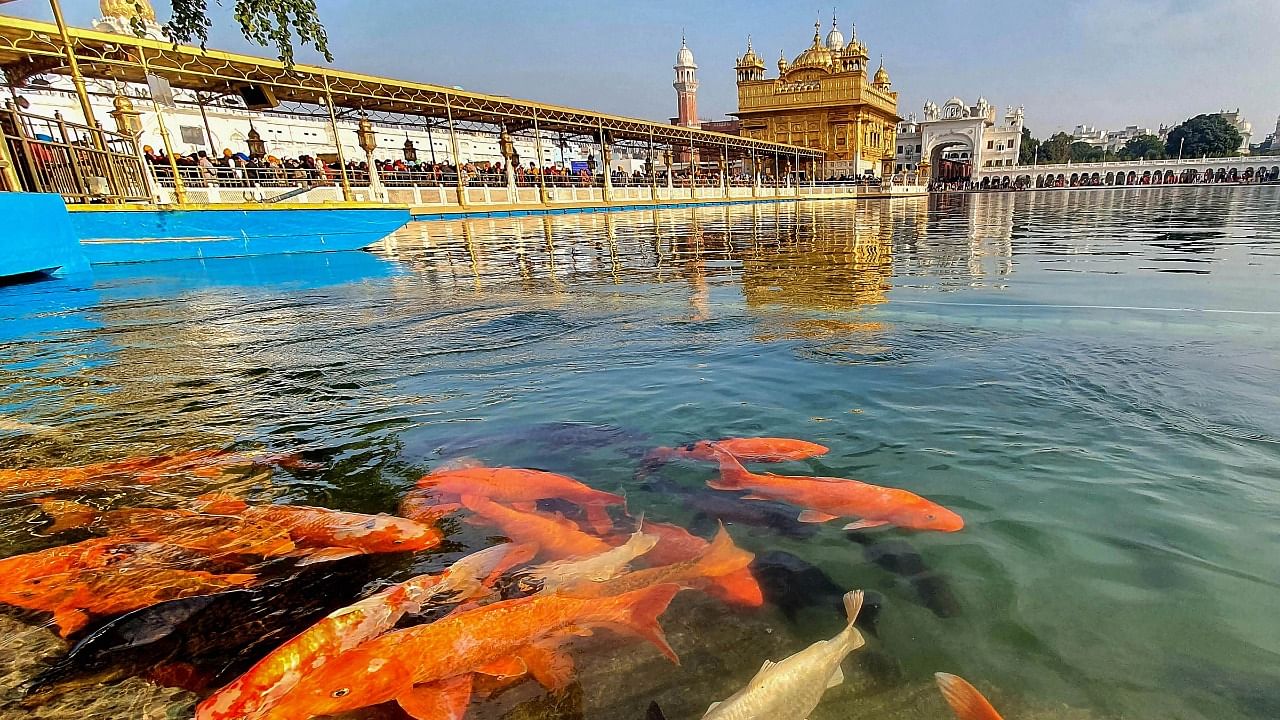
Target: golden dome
882,75
818,55
782,62
750,59
127,9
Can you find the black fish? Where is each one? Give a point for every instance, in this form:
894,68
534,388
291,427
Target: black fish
711,507
218,633
792,584
899,557
722,506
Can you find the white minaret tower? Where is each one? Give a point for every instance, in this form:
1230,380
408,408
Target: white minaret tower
686,86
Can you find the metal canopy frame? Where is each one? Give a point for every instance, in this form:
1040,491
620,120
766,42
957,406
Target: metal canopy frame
29,48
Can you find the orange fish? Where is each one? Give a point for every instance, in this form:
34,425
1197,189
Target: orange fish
764,449
831,498
492,638
519,488
720,567
556,537
220,534
325,528
254,694
104,576
965,700
143,470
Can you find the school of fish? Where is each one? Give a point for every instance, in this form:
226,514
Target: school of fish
574,562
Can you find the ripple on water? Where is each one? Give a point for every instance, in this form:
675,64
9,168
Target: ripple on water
1043,363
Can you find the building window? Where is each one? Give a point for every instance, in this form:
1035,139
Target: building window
990,144
899,149
192,134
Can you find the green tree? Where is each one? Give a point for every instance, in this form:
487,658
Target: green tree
1028,149
1056,149
1082,152
1204,136
1143,147
266,22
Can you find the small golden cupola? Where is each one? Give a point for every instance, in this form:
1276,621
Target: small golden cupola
881,80
750,66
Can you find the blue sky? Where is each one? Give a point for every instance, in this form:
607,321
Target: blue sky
1107,63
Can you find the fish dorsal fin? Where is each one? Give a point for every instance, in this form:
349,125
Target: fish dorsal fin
712,706
837,678
768,665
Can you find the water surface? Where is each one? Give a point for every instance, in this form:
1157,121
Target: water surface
1087,377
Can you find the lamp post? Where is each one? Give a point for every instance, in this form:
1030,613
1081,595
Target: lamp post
128,120
1181,141
410,150
257,146
369,142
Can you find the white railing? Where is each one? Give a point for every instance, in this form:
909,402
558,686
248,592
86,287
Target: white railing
1240,161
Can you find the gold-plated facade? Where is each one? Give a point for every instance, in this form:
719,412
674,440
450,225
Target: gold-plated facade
824,100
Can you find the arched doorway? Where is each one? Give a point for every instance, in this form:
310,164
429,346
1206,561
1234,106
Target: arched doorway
952,158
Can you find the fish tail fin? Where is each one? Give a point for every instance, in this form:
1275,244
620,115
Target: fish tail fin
67,515
732,475
852,606
639,611
965,700
654,712
722,556
740,588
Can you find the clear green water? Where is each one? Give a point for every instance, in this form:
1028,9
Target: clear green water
1089,378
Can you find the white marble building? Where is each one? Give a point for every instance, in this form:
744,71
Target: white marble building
965,134
1111,140
225,125
1244,126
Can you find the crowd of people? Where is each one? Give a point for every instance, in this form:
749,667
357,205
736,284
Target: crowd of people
233,169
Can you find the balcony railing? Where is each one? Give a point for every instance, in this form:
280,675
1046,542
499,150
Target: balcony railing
83,164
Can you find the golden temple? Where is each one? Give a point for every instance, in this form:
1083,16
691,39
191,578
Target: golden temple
824,100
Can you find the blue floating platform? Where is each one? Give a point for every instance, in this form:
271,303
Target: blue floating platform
114,235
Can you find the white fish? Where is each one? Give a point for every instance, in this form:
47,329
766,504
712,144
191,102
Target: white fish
465,578
597,568
792,688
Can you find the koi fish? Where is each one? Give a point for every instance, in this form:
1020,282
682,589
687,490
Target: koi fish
193,642
521,489
555,575
677,545
762,449
493,638
965,700
325,528
254,694
103,577
717,560
830,498
792,688
220,534
143,470
556,537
